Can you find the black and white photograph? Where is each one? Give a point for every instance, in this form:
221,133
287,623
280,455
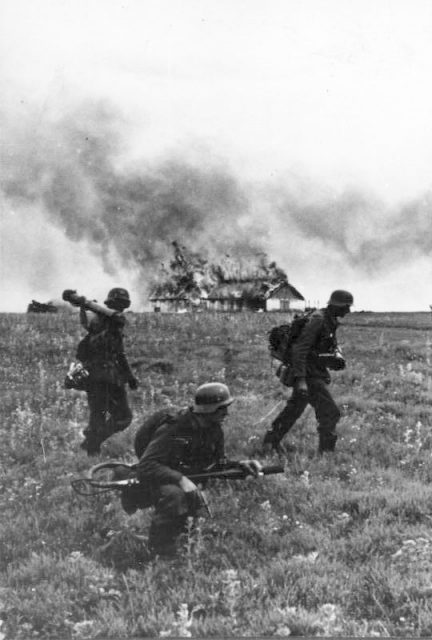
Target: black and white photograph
215,319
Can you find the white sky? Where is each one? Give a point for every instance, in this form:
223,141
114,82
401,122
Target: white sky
335,92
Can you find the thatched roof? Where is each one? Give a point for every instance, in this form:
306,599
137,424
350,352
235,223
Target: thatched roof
284,290
158,294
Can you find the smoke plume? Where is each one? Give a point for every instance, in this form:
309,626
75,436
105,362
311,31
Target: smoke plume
73,175
357,227
73,170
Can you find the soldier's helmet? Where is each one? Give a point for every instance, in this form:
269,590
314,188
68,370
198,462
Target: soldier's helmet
118,295
210,396
341,298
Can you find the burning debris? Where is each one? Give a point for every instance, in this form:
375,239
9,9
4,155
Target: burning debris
41,307
235,283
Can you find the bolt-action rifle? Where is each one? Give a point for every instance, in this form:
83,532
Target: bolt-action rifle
93,484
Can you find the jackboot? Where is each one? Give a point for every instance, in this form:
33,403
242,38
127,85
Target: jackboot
327,443
272,443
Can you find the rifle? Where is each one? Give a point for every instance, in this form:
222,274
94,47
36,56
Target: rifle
69,295
91,485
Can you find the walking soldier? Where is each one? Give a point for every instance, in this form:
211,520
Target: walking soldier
314,352
102,354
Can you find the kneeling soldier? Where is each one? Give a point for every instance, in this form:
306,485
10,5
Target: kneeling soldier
188,442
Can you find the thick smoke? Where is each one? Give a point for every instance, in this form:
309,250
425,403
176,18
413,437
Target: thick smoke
360,229
76,172
74,169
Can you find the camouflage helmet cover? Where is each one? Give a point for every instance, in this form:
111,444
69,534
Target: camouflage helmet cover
211,396
341,298
118,294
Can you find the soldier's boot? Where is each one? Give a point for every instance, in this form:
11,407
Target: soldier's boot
91,449
164,543
128,502
91,445
91,442
327,443
272,444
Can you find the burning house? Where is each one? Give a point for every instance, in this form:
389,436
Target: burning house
193,283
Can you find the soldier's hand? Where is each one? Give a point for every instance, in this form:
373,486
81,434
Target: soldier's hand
70,295
133,383
187,485
253,467
301,387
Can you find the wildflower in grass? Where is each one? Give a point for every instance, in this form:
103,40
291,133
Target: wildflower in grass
183,621
283,630
180,628
304,479
309,558
329,616
418,435
407,436
232,590
344,517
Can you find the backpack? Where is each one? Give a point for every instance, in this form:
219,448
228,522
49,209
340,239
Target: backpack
147,430
282,337
134,497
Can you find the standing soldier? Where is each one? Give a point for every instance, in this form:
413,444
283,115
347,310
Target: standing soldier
102,354
313,353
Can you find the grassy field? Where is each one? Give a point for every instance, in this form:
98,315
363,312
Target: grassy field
336,545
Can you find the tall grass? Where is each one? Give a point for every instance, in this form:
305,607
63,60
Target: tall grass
334,546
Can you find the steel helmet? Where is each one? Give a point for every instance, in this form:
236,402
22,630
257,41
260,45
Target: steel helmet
341,298
210,396
118,294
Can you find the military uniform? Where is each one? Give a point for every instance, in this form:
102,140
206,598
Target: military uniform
317,337
102,353
179,446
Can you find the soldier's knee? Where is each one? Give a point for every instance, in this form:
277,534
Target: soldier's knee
337,414
173,501
329,413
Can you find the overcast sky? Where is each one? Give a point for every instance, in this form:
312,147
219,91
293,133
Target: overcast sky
319,111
